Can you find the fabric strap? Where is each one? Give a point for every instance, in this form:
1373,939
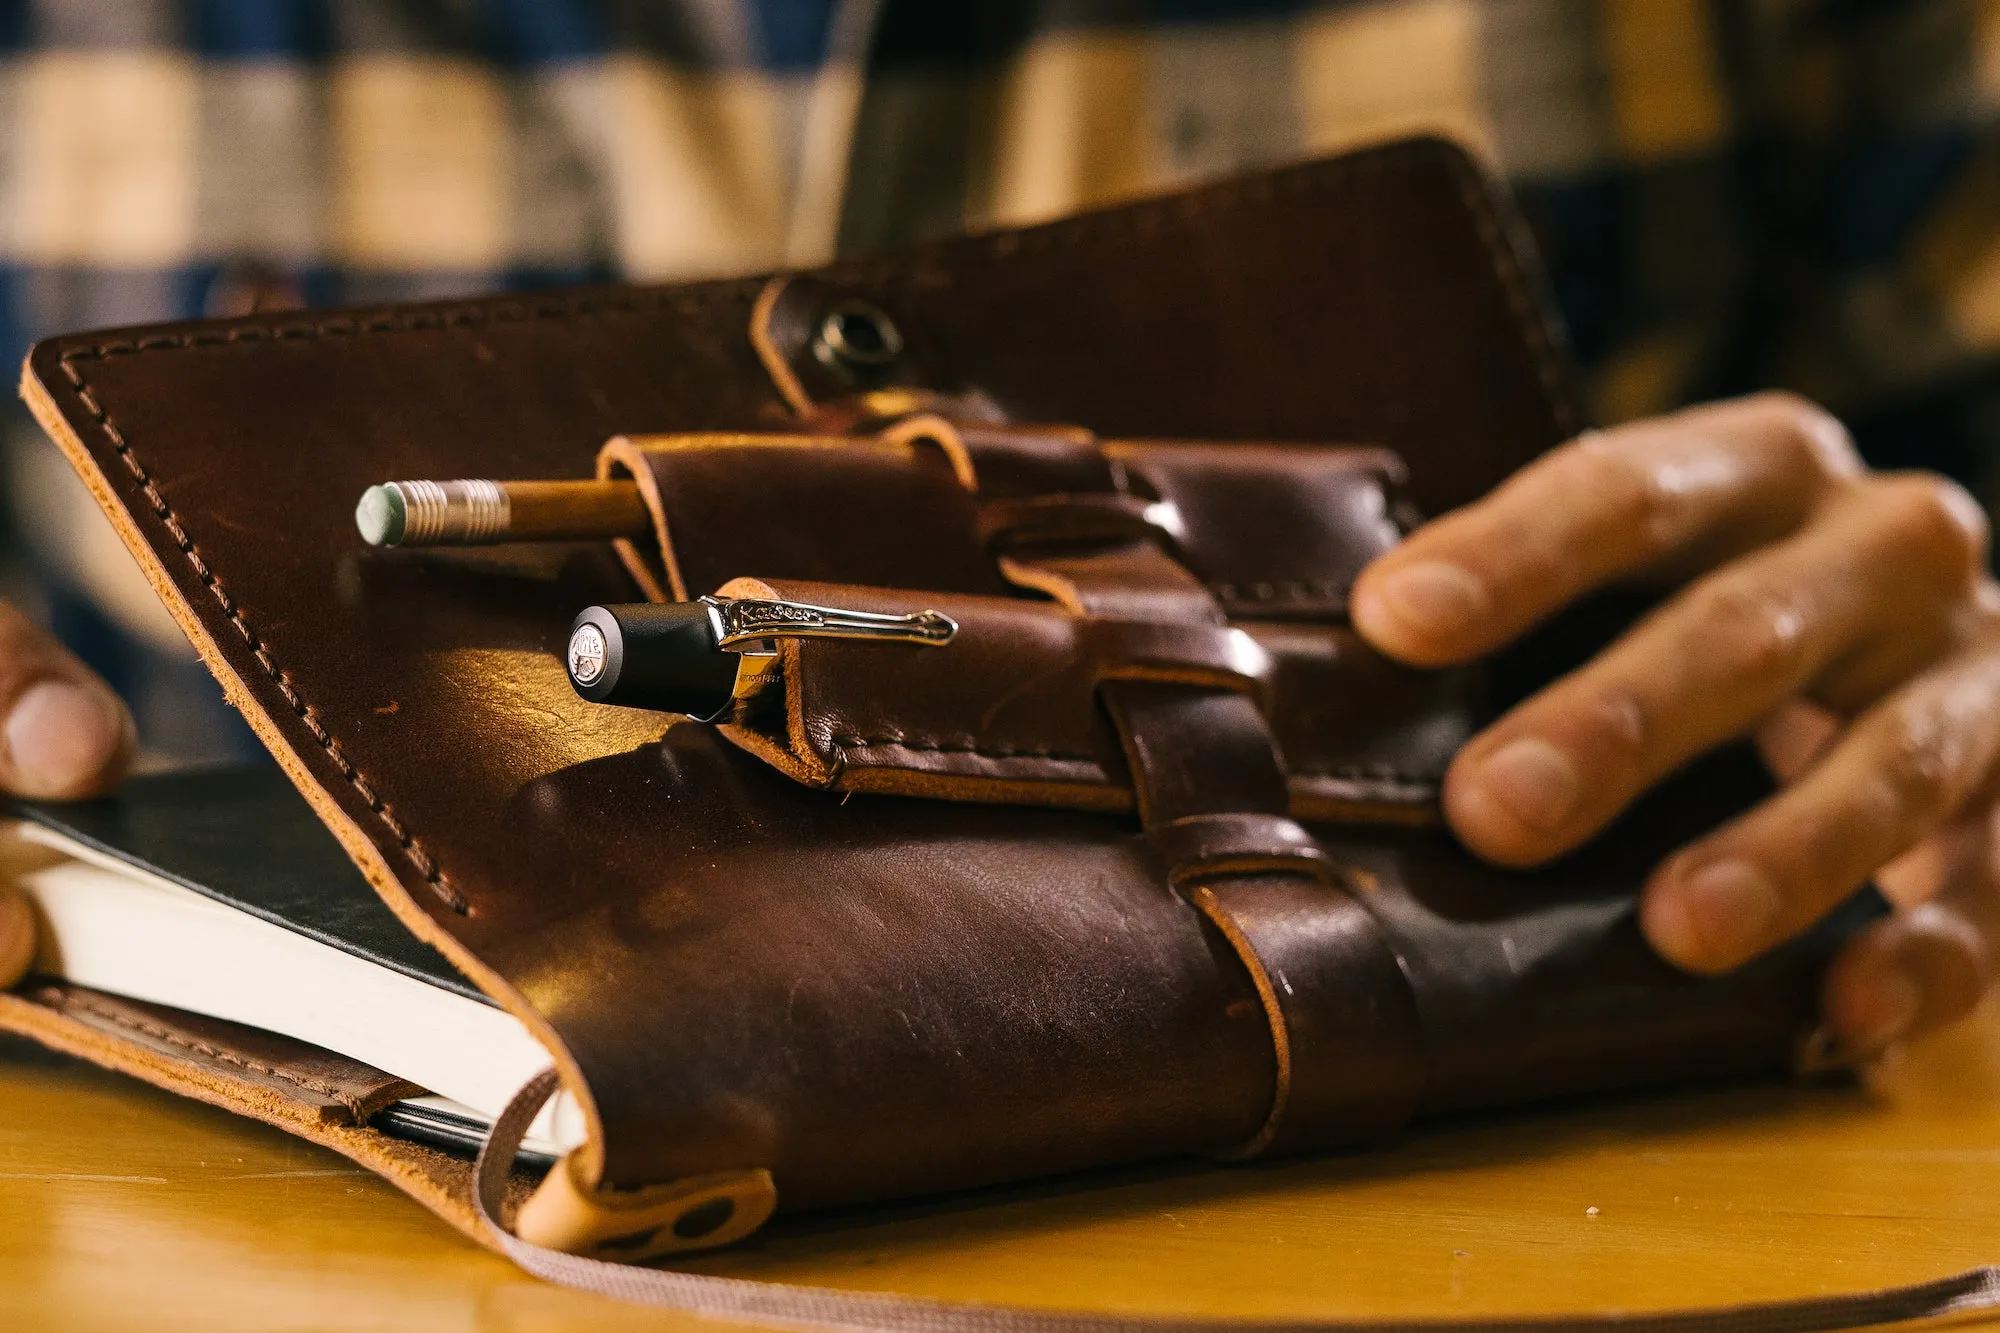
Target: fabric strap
781,1304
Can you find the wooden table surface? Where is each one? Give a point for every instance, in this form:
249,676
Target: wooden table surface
122,1207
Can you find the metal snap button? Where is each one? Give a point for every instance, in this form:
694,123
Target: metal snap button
855,338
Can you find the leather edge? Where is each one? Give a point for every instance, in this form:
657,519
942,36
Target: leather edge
267,715
264,718
439,1181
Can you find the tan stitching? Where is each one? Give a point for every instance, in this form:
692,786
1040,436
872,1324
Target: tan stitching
1381,774
941,263
1386,786
685,302
925,266
172,1038
940,747
1527,310
304,712
1297,590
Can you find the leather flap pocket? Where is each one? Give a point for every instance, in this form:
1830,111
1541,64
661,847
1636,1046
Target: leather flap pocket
1008,711
1040,541
1271,530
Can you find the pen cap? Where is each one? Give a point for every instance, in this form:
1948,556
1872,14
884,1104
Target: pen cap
645,655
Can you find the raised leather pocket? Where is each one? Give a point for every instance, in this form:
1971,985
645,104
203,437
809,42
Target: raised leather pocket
1010,710
1067,562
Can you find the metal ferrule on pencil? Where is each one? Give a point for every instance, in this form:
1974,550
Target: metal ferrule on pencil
444,513
477,512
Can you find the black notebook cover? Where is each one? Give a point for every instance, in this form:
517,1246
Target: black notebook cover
244,837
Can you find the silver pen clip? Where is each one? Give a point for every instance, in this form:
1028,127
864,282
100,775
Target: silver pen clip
747,624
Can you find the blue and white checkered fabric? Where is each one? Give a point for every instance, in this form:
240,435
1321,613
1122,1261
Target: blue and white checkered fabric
1731,193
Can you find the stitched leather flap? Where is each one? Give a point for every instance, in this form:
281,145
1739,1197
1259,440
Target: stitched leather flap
1274,530
880,997
925,509
1009,710
864,509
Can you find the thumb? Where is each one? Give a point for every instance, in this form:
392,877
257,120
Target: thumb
63,734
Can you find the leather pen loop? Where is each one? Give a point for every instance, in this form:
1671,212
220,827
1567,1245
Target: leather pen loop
1199,847
1216,656
1041,520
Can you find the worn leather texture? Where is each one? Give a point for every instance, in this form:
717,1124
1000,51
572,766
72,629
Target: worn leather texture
878,995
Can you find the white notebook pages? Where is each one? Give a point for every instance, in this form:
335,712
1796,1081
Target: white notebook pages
116,927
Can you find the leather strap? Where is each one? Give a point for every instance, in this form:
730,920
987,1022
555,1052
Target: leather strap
1043,519
1213,799
1350,1046
784,1305
1198,846
1344,1028
1195,750
1130,581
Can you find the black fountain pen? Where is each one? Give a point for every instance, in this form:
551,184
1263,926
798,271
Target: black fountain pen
676,657
695,657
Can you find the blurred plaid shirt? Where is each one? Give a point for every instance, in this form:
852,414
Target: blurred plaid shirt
1730,194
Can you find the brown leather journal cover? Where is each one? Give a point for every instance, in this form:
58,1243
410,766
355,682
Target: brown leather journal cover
870,995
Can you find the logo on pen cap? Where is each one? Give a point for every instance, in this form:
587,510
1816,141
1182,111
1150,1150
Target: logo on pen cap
586,654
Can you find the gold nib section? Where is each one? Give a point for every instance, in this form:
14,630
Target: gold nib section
480,513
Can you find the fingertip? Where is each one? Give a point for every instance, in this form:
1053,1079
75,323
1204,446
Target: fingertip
1373,621
1709,915
1484,822
17,936
1911,974
1669,928
1873,1011
1425,614
65,740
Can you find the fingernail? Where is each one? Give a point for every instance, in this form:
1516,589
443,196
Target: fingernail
1533,781
1714,917
1883,1010
1434,599
59,737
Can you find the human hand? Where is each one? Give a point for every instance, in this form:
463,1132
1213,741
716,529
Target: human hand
63,735
1843,617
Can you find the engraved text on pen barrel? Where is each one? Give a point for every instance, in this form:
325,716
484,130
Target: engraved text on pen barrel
741,619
